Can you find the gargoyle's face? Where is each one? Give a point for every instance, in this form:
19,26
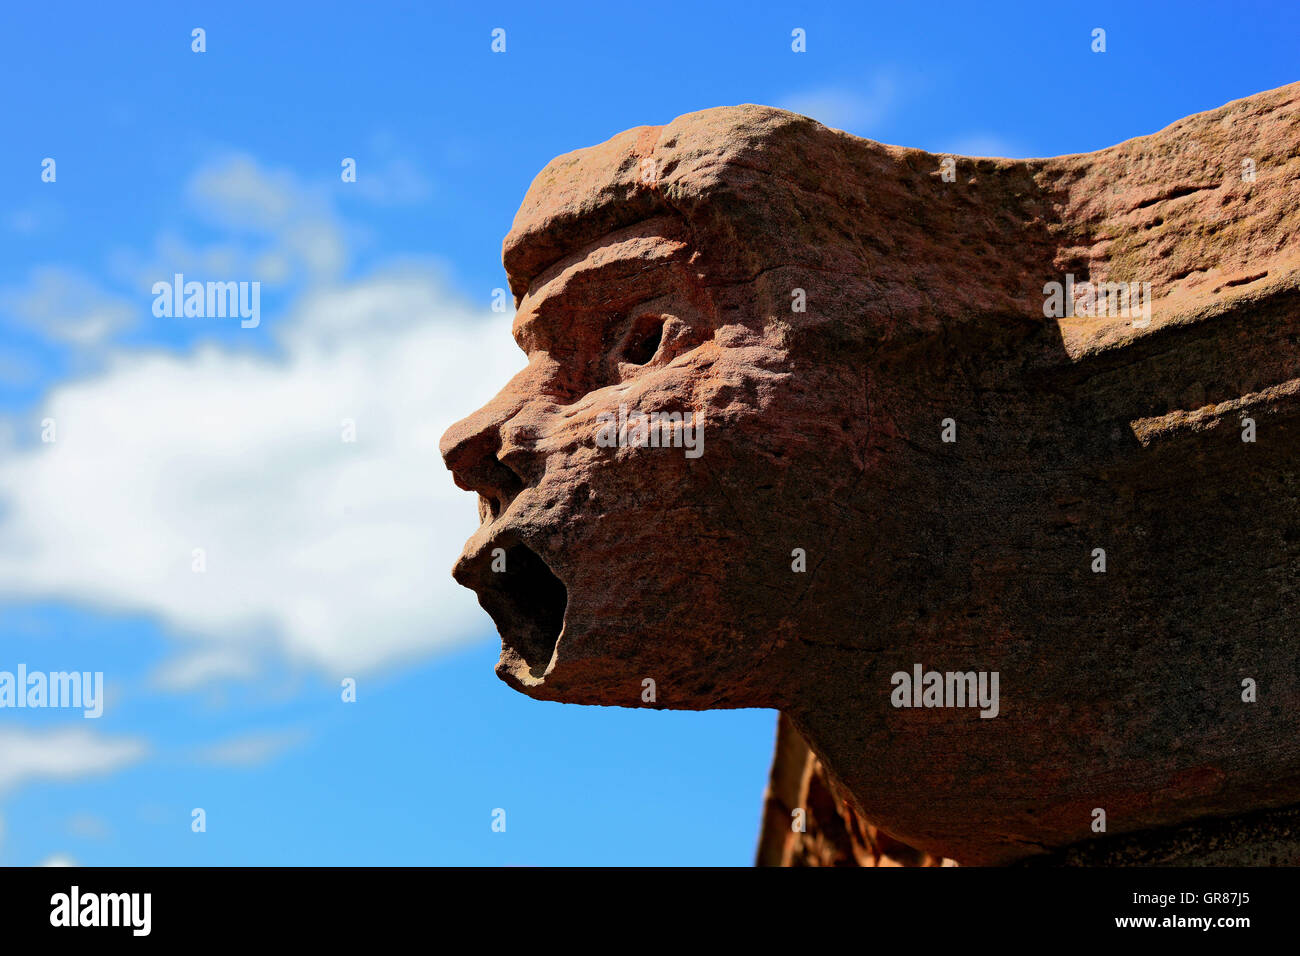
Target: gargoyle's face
604,561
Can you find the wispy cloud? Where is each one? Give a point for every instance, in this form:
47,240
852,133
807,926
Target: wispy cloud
66,306
982,144
238,193
390,174
252,749
37,217
854,108
396,181
28,755
276,228
193,669
87,826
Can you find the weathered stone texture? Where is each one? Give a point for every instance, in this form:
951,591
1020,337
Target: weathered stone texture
658,271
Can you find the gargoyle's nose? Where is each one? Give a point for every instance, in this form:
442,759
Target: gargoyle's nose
470,450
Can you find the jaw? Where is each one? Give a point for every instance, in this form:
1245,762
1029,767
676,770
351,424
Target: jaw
526,600
578,638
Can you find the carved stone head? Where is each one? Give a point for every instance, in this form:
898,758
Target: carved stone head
799,418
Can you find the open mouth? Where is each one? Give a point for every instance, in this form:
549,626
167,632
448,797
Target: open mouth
526,602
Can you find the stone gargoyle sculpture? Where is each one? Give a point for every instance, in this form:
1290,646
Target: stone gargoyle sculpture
983,472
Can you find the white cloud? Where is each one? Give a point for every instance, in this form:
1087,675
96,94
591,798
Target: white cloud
59,859
847,108
24,221
982,144
389,172
278,229
27,755
203,666
252,749
337,554
239,193
393,182
68,307
87,826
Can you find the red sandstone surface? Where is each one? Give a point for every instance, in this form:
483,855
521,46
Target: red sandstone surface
947,448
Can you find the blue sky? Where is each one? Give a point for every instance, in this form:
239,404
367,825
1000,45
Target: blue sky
328,560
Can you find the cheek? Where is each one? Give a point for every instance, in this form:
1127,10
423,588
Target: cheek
680,337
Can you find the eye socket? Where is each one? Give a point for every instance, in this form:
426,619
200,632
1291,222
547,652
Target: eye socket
644,341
